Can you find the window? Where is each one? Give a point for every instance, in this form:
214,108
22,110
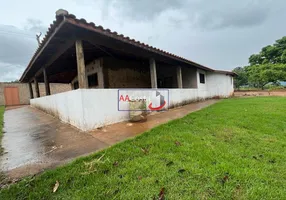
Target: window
167,82
92,80
75,85
202,78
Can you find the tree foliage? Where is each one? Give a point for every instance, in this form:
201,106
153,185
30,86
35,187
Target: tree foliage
241,78
272,54
269,65
260,75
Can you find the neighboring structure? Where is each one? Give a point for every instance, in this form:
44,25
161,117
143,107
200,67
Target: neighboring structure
88,56
12,94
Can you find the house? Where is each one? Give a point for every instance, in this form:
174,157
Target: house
98,62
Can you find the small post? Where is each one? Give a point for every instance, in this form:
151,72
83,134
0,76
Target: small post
153,73
179,77
82,82
47,84
37,87
31,91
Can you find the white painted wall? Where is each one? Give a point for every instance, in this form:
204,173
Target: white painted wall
216,84
88,109
202,87
67,106
219,84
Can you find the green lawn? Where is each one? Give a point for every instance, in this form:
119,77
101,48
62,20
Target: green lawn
235,149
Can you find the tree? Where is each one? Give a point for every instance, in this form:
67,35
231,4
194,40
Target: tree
15,81
241,78
272,54
269,65
268,54
260,75
255,59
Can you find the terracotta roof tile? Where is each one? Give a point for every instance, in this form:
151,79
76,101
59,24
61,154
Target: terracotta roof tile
72,16
83,20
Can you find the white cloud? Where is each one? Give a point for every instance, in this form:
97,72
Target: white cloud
10,72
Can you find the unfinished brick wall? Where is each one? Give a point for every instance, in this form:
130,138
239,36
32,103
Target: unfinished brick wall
91,68
189,76
54,87
126,73
24,93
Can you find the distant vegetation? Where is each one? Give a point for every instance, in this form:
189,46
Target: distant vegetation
266,69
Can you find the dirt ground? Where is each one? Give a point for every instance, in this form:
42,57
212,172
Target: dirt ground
260,93
34,141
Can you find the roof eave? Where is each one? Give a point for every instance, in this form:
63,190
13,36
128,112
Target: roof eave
41,48
62,19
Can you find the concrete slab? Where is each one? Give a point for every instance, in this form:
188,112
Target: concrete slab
34,141
121,131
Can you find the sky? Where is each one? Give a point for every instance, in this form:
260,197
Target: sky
219,34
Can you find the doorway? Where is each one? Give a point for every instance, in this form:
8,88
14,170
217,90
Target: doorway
11,96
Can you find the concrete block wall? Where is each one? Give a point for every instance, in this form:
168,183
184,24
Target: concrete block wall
23,89
126,73
24,93
95,66
116,73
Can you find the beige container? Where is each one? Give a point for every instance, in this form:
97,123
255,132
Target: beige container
137,111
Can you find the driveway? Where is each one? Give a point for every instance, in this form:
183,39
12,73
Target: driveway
34,141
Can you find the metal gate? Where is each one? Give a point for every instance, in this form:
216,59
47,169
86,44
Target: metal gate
11,96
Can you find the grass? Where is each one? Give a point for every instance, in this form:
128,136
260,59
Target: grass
234,149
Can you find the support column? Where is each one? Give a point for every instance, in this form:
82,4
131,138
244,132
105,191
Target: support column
179,77
37,87
31,91
153,73
82,82
47,84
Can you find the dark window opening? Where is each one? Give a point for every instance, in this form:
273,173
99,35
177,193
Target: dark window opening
92,80
160,83
75,85
202,78
167,82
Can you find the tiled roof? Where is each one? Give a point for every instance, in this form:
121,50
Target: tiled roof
70,18
225,72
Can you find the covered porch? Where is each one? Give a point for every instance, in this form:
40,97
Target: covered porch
87,56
